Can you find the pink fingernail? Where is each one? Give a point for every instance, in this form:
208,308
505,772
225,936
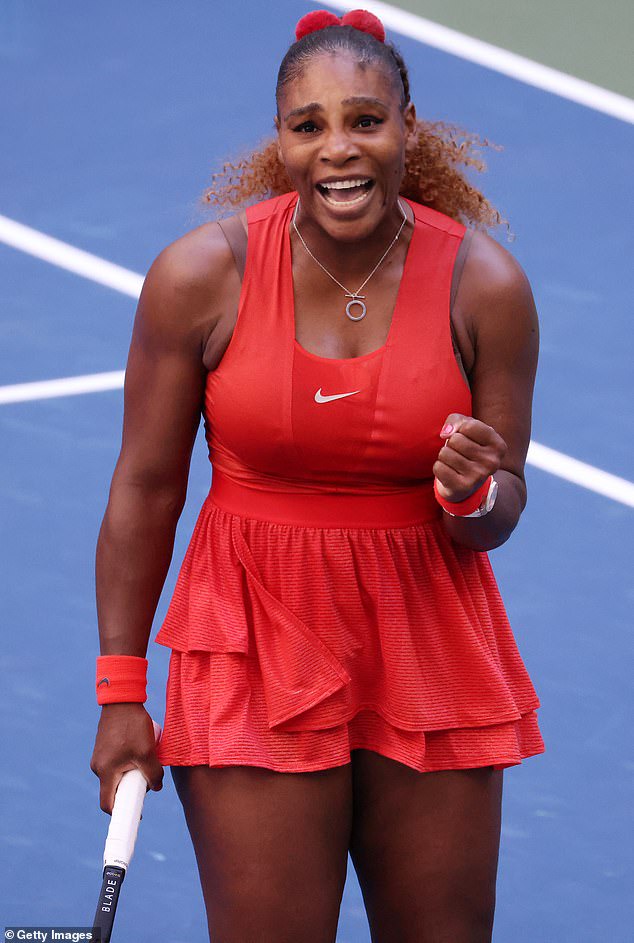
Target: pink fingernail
446,429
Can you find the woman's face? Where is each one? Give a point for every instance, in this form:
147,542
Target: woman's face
342,138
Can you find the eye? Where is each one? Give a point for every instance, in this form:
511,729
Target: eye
369,121
305,127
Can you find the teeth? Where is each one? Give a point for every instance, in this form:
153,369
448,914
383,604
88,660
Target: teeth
344,184
357,199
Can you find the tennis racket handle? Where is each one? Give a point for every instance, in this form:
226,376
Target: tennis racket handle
126,815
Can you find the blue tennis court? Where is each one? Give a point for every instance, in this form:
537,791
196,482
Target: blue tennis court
114,118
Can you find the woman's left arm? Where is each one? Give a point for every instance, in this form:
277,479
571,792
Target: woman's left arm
498,313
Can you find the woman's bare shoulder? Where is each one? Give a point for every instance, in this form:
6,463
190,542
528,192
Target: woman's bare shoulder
494,292
199,258
492,271
496,304
190,281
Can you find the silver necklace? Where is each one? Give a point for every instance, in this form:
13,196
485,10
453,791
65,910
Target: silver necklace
354,296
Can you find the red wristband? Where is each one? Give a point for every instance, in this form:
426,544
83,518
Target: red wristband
121,678
469,505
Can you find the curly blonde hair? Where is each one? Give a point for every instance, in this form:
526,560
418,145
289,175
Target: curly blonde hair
435,163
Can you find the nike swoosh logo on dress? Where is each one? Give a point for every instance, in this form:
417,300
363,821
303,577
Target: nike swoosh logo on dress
320,398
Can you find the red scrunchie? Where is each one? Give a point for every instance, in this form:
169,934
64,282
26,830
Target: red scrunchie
359,19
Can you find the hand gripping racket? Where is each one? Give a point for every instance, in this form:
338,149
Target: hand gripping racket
119,847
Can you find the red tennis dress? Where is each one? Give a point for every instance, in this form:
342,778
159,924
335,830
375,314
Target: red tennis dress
321,607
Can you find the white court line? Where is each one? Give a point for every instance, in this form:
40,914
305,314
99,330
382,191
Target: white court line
68,257
65,386
580,473
542,457
498,59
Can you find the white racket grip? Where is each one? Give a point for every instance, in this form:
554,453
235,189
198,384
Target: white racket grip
126,815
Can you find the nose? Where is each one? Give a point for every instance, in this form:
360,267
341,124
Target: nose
338,146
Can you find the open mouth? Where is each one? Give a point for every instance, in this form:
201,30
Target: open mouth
348,192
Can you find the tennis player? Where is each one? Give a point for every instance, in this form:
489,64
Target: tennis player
343,676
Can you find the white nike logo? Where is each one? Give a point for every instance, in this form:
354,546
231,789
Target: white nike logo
320,398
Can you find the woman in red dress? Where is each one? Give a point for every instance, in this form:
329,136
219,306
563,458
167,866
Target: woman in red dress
343,677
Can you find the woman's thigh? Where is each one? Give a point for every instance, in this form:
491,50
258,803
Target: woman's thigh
271,849
425,848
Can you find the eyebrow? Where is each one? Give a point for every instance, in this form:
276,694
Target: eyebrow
304,110
365,100
356,100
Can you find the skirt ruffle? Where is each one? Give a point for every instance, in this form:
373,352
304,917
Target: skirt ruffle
293,645
216,716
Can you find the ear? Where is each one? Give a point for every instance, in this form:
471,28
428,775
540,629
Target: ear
276,122
409,119
409,122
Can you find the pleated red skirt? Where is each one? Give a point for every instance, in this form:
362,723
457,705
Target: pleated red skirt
295,643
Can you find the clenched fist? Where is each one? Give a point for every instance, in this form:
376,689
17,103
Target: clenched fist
472,451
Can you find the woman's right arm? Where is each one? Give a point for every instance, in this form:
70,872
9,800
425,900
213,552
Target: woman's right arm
181,301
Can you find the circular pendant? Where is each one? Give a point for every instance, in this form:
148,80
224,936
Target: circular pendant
355,301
